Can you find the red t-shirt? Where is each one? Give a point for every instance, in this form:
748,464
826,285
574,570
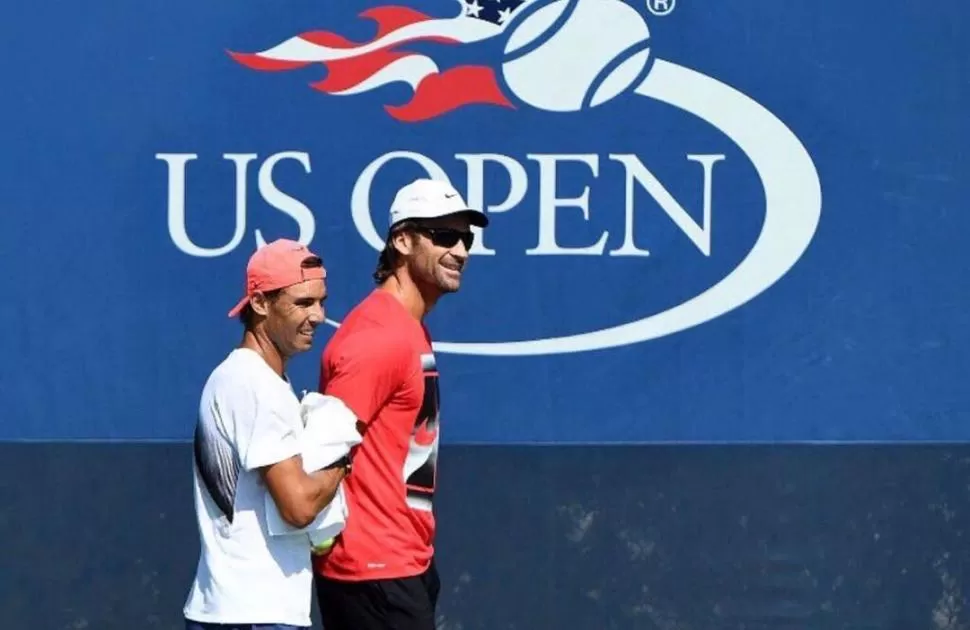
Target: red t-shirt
380,363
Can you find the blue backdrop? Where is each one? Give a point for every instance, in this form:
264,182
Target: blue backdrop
734,222
114,324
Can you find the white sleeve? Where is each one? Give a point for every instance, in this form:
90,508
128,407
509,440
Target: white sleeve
264,434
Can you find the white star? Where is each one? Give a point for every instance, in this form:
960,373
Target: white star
504,15
472,9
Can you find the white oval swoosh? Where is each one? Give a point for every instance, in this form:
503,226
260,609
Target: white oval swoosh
793,207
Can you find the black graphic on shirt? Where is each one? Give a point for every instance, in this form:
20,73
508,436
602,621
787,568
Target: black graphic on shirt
218,468
421,463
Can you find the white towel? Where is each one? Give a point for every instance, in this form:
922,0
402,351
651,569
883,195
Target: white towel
330,430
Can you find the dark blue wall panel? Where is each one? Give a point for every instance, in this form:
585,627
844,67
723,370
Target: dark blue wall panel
591,538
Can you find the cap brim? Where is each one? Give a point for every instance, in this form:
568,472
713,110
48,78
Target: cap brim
237,309
477,217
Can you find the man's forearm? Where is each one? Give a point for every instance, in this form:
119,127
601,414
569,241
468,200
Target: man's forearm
321,487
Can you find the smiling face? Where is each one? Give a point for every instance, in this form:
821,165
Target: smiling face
435,252
291,316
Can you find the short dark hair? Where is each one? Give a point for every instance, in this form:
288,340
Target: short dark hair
387,261
246,315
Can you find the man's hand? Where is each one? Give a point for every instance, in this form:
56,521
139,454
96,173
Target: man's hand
300,496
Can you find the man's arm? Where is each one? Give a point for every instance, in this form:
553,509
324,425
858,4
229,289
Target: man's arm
268,442
366,370
300,496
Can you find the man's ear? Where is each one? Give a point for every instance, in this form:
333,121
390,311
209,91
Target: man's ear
259,303
403,242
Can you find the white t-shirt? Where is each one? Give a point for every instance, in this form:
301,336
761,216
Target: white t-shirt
248,417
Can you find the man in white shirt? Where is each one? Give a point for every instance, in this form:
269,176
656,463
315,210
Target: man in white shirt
247,443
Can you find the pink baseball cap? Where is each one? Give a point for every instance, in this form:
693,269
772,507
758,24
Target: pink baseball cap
277,265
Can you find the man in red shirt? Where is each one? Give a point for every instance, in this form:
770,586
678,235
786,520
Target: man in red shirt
380,573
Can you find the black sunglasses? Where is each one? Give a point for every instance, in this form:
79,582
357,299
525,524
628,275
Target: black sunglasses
447,237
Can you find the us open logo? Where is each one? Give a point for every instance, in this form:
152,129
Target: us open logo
570,57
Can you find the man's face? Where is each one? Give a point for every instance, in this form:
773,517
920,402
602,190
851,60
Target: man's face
438,254
294,315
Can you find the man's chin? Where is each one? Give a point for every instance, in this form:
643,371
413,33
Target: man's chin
449,280
449,287
303,343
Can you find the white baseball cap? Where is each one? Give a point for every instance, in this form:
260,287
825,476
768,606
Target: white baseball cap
429,199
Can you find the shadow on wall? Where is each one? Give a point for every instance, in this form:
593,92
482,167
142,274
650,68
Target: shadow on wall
598,538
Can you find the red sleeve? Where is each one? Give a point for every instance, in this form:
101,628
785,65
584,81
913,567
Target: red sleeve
365,369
